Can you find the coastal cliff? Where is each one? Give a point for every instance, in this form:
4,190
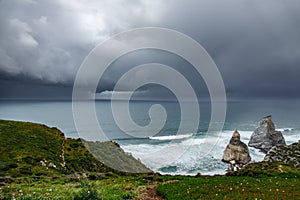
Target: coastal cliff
34,149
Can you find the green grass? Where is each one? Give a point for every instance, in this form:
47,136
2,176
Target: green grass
170,187
263,180
116,187
24,145
226,187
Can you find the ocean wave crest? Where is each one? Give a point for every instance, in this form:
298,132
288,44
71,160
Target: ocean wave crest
171,137
285,129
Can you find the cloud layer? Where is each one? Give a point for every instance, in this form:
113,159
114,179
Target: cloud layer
255,44
48,40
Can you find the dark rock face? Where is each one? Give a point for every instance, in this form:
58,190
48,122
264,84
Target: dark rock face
288,154
236,152
265,136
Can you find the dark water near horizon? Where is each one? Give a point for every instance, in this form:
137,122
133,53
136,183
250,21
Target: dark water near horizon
241,115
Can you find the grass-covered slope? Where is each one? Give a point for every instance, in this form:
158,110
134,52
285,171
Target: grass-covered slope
35,149
113,156
24,146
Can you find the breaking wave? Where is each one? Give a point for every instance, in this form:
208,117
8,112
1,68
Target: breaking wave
285,129
171,137
191,162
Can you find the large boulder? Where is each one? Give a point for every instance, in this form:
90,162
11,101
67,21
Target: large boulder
236,152
265,136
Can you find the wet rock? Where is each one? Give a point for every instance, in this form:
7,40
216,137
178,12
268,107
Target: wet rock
265,136
236,152
289,154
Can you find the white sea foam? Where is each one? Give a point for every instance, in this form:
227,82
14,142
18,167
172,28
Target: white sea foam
203,153
290,139
285,129
171,137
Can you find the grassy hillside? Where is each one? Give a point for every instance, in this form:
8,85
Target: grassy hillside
37,150
110,154
25,145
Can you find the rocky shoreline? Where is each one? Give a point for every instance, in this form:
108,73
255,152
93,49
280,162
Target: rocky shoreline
266,139
289,154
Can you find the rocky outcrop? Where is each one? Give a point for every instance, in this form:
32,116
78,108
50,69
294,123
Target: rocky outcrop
236,152
289,154
265,136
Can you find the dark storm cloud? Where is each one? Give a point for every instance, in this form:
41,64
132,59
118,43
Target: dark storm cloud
48,40
255,44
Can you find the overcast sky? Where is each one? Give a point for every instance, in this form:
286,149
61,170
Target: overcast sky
255,44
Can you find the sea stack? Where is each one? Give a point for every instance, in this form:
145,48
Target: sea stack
265,136
236,152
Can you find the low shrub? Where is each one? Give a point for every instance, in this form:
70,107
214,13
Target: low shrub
87,192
